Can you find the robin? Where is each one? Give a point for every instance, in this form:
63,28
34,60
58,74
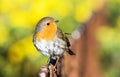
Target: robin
49,39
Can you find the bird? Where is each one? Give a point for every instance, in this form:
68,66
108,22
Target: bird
49,39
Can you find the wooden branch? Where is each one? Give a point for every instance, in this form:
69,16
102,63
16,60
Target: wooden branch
53,68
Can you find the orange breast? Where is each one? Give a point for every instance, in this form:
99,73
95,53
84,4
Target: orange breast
47,33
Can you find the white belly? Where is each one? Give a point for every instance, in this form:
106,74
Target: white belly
50,48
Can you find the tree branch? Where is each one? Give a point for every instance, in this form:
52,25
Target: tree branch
53,68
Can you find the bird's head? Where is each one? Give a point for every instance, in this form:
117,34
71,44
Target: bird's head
46,28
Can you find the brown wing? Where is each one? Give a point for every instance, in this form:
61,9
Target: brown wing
63,36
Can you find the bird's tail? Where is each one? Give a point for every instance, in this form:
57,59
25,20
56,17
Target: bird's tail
70,52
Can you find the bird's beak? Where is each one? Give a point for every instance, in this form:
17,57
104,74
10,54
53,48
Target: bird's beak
56,21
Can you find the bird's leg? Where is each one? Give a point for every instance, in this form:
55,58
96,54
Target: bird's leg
54,60
57,60
53,65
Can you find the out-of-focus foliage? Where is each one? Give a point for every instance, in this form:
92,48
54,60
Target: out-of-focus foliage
109,38
18,56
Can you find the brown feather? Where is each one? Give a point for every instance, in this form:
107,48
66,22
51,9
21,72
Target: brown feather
64,37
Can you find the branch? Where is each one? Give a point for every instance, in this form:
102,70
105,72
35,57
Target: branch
53,68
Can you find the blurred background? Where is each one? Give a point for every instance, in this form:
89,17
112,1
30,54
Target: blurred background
18,18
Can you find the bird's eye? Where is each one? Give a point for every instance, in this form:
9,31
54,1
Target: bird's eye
48,24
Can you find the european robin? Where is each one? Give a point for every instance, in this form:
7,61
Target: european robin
49,39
